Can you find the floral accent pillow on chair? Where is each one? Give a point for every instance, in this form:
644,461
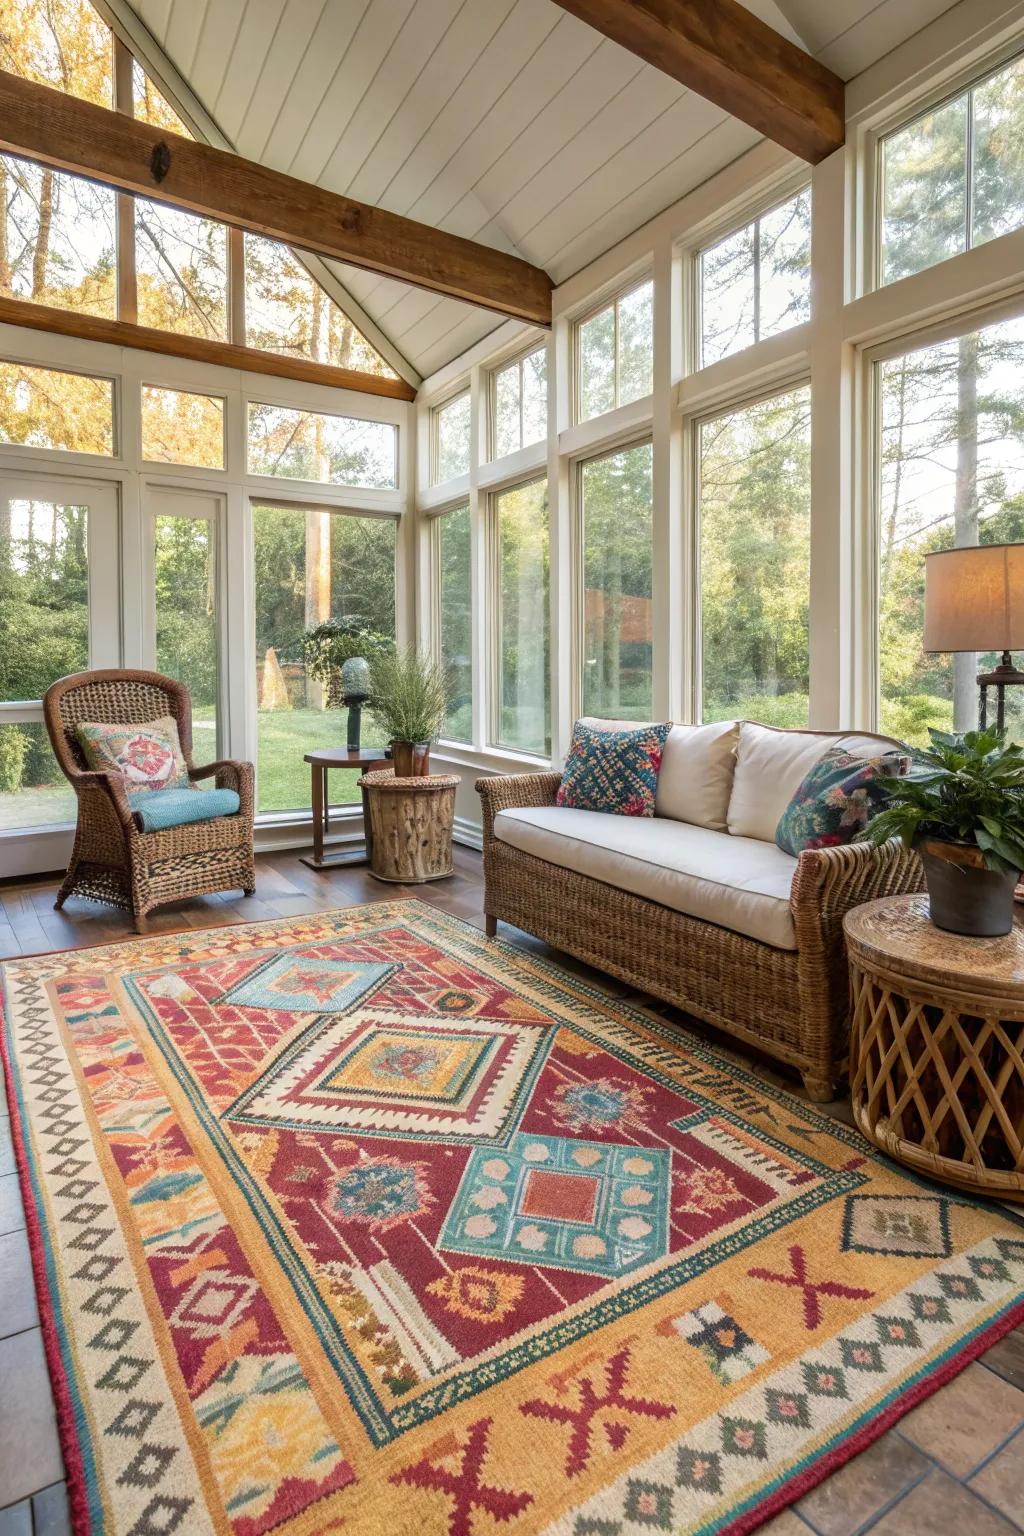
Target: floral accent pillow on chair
613,771
146,756
836,800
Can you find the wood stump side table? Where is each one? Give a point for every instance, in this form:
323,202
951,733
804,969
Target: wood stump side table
410,826
937,1045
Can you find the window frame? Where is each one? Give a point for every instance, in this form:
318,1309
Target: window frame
434,519
72,456
763,390
434,447
635,439
753,215
172,464
493,619
373,493
610,300
515,361
255,497
869,213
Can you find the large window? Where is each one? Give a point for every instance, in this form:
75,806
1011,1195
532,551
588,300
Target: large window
61,43
951,474
954,177
181,427
309,445
450,439
286,311
57,239
454,618
185,563
757,281
311,565
42,408
181,264
519,403
615,506
755,527
615,353
522,670
44,634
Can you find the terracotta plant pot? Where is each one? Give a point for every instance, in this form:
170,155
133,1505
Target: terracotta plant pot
411,759
964,895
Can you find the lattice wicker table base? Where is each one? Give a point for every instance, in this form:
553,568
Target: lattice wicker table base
937,1046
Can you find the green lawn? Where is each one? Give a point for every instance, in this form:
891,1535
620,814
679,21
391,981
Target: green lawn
284,736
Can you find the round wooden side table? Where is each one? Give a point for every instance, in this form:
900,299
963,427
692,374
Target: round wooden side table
937,1045
410,826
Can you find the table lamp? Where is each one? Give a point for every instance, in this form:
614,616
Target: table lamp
974,601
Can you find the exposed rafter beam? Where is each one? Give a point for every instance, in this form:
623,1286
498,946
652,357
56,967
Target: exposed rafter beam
722,51
133,33
225,354
88,140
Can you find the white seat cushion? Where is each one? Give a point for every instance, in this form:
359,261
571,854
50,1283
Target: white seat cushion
739,883
771,765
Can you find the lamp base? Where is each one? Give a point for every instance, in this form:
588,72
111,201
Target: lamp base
1004,676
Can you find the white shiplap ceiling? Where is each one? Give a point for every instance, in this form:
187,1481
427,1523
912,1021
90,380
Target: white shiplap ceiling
507,121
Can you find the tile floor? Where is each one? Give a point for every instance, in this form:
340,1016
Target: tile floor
955,1463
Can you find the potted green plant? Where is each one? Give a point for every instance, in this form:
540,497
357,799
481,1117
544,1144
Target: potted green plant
962,807
410,695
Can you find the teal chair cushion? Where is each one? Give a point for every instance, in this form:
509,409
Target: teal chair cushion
157,809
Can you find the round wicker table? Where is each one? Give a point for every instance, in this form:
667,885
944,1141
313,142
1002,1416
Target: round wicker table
937,1045
410,825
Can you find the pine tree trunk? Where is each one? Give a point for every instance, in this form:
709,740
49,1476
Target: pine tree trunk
41,256
965,517
6,275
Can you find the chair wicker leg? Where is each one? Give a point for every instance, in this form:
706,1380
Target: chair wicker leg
490,925
820,1090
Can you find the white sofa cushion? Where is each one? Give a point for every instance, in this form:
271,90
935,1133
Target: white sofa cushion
770,765
695,780
736,882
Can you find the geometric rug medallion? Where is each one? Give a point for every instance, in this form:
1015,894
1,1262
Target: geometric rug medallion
362,1222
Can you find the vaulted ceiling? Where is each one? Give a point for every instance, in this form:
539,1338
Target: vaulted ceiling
508,121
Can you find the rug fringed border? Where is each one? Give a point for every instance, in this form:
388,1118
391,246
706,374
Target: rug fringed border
830,1461
749,1520
67,1419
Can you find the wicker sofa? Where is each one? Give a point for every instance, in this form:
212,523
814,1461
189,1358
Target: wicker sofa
697,905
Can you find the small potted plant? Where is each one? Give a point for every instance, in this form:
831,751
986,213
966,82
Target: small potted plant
962,807
410,695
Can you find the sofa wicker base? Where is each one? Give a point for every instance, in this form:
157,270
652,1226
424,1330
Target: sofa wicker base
792,1004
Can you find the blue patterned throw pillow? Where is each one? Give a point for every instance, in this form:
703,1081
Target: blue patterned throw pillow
613,771
836,800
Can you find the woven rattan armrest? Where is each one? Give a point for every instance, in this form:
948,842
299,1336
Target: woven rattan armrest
228,773
90,782
830,881
514,792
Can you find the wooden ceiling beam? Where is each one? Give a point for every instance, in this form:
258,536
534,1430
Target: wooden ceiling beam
224,354
87,140
723,52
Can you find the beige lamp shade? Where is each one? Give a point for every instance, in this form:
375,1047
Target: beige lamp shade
974,599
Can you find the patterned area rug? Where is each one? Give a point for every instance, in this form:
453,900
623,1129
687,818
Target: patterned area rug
361,1222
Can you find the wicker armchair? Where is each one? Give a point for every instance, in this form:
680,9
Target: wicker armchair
113,860
793,1004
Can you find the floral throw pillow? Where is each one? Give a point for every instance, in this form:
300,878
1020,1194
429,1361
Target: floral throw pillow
146,756
613,771
836,800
